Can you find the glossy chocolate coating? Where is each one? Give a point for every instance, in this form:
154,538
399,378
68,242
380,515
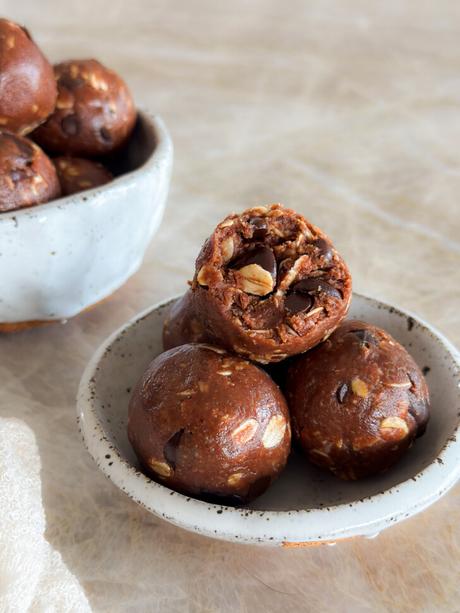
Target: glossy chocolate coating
357,401
210,424
27,85
77,174
268,284
94,113
27,175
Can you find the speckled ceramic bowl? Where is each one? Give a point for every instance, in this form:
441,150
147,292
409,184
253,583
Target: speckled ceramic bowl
306,506
59,258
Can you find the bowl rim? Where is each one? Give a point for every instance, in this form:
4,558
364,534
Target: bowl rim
288,528
162,149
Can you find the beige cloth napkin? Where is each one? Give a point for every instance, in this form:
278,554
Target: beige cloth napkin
33,576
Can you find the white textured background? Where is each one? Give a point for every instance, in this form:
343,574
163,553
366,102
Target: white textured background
348,111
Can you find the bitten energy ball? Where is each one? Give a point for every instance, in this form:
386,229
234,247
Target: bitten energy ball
27,175
182,324
78,174
268,284
94,114
209,424
357,401
27,85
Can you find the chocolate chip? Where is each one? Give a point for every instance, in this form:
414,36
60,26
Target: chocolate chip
170,449
261,255
70,83
341,392
260,228
426,370
258,487
366,337
295,303
70,125
26,32
418,409
105,135
325,248
316,286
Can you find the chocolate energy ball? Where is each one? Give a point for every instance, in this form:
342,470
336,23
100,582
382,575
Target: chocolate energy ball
27,175
268,284
94,114
27,85
209,424
78,174
183,325
357,401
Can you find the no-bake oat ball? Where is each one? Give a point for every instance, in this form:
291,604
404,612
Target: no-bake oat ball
268,284
357,401
27,84
27,175
77,174
209,424
94,114
183,325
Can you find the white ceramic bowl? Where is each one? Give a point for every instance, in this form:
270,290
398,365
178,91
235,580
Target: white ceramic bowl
59,258
306,505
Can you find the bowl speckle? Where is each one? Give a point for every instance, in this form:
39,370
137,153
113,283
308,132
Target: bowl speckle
306,505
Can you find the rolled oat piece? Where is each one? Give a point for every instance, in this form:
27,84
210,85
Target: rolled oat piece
268,284
209,424
357,401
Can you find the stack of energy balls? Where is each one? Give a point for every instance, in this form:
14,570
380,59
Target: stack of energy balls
79,108
208,420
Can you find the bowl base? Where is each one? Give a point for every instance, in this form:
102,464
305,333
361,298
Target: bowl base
22,326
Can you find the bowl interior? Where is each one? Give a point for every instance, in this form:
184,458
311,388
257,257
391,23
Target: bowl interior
137,150
301,486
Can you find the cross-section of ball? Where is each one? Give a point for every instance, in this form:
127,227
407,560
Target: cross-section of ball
268,285
209,424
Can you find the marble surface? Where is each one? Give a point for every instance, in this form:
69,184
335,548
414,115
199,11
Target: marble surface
346,111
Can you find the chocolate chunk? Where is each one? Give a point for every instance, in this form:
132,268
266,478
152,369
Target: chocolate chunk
418,409
315,286
341,392
325,248
70,83
26,32
366,337
260,228
297,302
261,255
170,449
70,125
105,135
